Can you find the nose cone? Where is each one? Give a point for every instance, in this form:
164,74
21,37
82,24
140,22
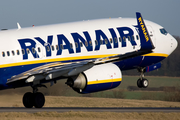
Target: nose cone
174,43
168,44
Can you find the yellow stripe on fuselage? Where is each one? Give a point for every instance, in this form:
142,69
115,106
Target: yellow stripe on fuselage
156,54
70,58
104,81
55,60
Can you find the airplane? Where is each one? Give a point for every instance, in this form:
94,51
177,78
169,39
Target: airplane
89,54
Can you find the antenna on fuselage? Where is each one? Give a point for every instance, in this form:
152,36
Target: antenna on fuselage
18,25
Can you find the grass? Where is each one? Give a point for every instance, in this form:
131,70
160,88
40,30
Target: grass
60,89
154,81
62,101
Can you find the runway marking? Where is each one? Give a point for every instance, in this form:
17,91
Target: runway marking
87,109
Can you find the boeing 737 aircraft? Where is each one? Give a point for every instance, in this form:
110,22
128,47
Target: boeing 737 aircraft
89,54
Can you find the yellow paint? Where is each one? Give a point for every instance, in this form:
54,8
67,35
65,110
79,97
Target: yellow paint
55,60
144,29
70,58
105,81
156,54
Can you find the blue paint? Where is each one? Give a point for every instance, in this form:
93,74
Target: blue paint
100,87
87,43
28,45
153,67
67,46
114,37
130,34
48,44
64,43
146,43
102,39
7,73
138,62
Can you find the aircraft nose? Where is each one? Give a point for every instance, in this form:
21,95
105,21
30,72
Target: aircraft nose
174,43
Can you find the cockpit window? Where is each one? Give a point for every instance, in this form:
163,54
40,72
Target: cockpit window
163,31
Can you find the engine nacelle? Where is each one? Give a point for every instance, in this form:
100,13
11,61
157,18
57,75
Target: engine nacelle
98,78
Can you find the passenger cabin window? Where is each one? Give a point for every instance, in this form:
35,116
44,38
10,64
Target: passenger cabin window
137,37
71,46
23,52
57,47
110,40
132,38
52,47
3,54
27,50
129,38
8,53
86,43
47,48
124,38
76,44
120,39
13,53
81,44
33,50
39,50
96,42
163,31
61,46
106,41
101,42
90,42
115,39
17,51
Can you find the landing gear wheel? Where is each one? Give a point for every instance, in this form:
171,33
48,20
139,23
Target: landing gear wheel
144,83
39,100
139,84
33,99
28,100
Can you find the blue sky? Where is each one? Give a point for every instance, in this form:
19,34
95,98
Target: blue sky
42,12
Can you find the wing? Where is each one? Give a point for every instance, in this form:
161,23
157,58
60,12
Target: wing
57,70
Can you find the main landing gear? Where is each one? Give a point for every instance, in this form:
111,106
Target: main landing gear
35,99
142,82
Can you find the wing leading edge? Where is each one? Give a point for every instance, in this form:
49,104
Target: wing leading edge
55,70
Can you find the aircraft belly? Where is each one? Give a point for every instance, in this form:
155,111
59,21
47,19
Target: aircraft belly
140,61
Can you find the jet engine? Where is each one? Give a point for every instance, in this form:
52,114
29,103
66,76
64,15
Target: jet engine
98,78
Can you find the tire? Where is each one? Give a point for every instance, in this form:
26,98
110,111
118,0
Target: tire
28,100
139,84
145,83
39,100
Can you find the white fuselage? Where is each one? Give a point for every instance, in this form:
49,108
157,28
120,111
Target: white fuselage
164,44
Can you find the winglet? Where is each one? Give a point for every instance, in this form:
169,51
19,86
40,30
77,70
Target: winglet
146,42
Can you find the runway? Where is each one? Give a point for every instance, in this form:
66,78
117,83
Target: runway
89,109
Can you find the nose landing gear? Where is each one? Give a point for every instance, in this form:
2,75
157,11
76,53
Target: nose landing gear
142,82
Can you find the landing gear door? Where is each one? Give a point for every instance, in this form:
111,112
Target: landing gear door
151,34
